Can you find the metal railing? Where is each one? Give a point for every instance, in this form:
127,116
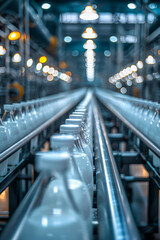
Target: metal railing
114,215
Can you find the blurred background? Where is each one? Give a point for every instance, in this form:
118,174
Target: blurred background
42,47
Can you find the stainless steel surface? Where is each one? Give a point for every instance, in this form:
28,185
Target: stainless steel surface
74,97
114,215
18,219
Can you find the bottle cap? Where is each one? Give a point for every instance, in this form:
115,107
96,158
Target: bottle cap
52,161
74,116
79,113
17,105
80,110
73,121
61,140
81,106
7,107
70,129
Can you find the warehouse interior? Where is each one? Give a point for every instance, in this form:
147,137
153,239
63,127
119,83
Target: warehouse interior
79,104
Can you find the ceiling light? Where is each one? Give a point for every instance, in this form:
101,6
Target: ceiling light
134,75
123,90
132,6
38,66
118,84
55,74
90,65
2,50
129,83
46,6
134,68
69,73
89,33
113,39
75,53
68,39
89,53
16,58
140,64
89,45
139,79
51,70
107,53
90,59
29,62
152,5
125,72
46,69
50,78
150,60
14,36
43,59
89,13
64,77
129,70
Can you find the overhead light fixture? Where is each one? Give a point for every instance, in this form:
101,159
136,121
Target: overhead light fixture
69,73
46,69
150,60
118,84
68,39
43,59
51,70
140,64
152,5
90,65
55,74
129,83
16,58
75,53
123,90
46,6
29,62
64,77
113,39
89,45
129,70
139,79
38,66
2,50
89,14
131,6
89,53
50,78
90,59
89,33
14,36
134,68
107,53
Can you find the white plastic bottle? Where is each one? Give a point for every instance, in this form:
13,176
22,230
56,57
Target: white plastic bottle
59,219
76,130
77,178
22,124
3,146
13,133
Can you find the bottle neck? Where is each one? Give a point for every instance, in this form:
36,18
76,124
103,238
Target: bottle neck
63,148
17,113
78,144
8,116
